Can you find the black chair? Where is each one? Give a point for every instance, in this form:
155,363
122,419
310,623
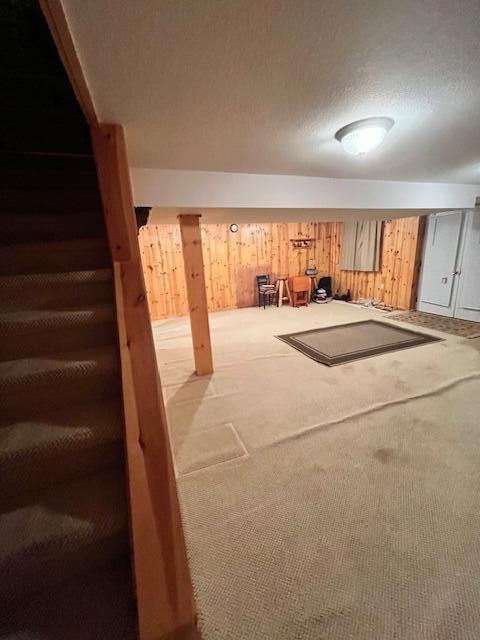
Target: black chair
267,292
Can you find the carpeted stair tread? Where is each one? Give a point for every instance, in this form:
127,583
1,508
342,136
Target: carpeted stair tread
60,445
41,201
40,178
64,539
22,322
65,290
98,605
48,257
61,530
56,378
16,373
31,227
27,333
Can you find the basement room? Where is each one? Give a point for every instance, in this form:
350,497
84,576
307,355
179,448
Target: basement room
311,415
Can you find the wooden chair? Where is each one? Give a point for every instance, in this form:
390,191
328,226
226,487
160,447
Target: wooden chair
267,292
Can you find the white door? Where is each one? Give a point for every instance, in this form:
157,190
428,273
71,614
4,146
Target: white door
468,298
439,280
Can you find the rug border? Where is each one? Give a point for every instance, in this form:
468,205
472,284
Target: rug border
423,338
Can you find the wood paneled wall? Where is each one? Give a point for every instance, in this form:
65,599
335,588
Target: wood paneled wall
397,281
232,260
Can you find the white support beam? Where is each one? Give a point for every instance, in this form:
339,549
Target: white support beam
207,189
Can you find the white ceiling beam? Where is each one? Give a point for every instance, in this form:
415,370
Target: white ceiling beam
208,189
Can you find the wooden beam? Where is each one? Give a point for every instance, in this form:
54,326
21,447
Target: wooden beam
163,586
114,179
196,292
418,256
58,25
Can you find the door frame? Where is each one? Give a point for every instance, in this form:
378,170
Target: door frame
433,308
468,216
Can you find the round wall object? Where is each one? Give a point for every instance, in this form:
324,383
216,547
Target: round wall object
234,227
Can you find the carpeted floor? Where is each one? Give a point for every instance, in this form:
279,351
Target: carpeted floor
269,391
335,502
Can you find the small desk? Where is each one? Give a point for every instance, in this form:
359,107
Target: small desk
300,290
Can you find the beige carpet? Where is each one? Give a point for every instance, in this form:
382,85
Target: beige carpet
204,449
270,391
462,328
356,513
369,530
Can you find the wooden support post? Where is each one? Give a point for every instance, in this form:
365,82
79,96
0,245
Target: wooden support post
196,292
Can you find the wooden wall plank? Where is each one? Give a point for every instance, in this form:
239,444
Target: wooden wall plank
232,260
417,240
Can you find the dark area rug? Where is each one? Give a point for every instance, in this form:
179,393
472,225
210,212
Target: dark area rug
353,341
455,326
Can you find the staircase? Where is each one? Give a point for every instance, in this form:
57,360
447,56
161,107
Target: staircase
64,547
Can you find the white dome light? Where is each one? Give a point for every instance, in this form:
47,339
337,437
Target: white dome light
364,135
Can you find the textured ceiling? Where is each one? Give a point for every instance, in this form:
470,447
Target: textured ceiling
261,86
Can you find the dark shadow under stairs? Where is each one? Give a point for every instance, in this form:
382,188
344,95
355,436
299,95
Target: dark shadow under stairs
64,547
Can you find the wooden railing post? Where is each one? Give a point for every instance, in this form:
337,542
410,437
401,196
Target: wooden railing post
163,584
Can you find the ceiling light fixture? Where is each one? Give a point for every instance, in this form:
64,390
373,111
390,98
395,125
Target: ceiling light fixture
234,227
364,135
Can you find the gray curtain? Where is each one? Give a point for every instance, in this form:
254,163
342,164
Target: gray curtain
361,243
